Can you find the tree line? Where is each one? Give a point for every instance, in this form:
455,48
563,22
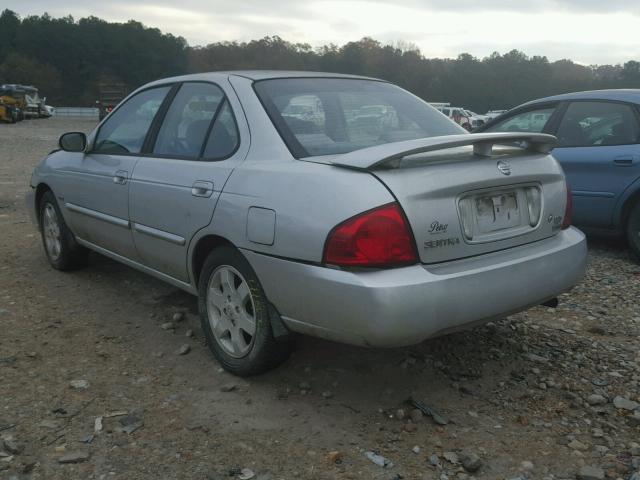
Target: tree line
67,60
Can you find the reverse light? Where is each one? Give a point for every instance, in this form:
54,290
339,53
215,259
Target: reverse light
568,209
534,202
377,238
465,208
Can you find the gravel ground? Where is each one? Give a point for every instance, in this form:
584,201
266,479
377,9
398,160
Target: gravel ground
92,387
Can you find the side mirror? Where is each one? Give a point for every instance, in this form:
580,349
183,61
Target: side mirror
73,142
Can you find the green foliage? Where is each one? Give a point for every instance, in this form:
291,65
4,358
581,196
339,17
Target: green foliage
84,54
67,59
494,82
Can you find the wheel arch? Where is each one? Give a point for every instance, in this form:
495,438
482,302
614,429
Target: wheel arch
632,197
200,251
41,189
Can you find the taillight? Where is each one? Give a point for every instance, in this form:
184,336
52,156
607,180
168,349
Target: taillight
568,210
377,238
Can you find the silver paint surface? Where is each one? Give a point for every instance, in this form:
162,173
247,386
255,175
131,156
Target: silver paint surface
154,222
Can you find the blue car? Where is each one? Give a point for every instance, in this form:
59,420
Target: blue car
598,147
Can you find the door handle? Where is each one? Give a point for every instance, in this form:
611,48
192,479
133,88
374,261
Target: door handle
120,177
624,160
202,188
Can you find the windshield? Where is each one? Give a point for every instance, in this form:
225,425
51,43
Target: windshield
324,116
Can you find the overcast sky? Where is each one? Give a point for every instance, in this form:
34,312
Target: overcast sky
587,31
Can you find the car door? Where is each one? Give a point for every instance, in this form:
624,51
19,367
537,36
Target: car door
174,189
97,193
598,148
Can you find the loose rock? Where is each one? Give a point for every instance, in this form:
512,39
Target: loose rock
451,457
184,349
625,404
527,466
379,459
470,461
131,423
75,457
79,384
13,447
416,415
596,399
590,473
246,474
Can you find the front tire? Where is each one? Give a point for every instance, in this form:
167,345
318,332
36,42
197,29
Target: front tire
234,312
60,246
633,230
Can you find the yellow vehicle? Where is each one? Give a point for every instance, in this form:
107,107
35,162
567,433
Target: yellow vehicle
8,113
12,110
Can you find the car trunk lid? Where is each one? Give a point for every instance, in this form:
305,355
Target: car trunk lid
467,195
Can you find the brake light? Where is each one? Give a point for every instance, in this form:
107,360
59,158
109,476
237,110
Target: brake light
568,210
377,238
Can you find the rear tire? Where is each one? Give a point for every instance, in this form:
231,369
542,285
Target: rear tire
234,312
60,246
633,230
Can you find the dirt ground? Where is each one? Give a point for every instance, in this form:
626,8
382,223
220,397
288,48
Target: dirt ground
543,395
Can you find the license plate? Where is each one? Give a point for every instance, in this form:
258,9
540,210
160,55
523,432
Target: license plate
497,211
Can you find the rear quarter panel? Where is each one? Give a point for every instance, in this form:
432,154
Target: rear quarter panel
308,199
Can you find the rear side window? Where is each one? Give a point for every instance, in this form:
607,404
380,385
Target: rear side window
223,139
532,121
126,129
323,116
592,124
188,119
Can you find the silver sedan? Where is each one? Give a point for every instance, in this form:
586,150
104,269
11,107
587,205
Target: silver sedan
330,205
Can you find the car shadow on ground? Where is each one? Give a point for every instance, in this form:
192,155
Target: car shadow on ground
457,357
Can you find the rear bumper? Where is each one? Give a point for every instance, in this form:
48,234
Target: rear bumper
405,306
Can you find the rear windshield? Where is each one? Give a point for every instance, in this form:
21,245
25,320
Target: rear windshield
324,116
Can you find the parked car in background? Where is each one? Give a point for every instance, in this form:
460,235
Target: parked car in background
599,149
476,119
459,115
491,114
48,111
375,233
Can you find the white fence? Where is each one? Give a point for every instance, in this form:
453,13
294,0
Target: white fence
76,112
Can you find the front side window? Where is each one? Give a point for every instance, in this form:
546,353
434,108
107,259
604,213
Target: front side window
324,116
592,124
532,121
126,129
187,122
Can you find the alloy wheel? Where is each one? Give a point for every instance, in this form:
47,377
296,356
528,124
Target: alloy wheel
231,311
51,232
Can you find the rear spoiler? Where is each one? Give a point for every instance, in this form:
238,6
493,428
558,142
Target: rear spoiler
392,153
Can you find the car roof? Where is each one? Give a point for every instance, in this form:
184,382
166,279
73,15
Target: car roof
257,75
621,94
